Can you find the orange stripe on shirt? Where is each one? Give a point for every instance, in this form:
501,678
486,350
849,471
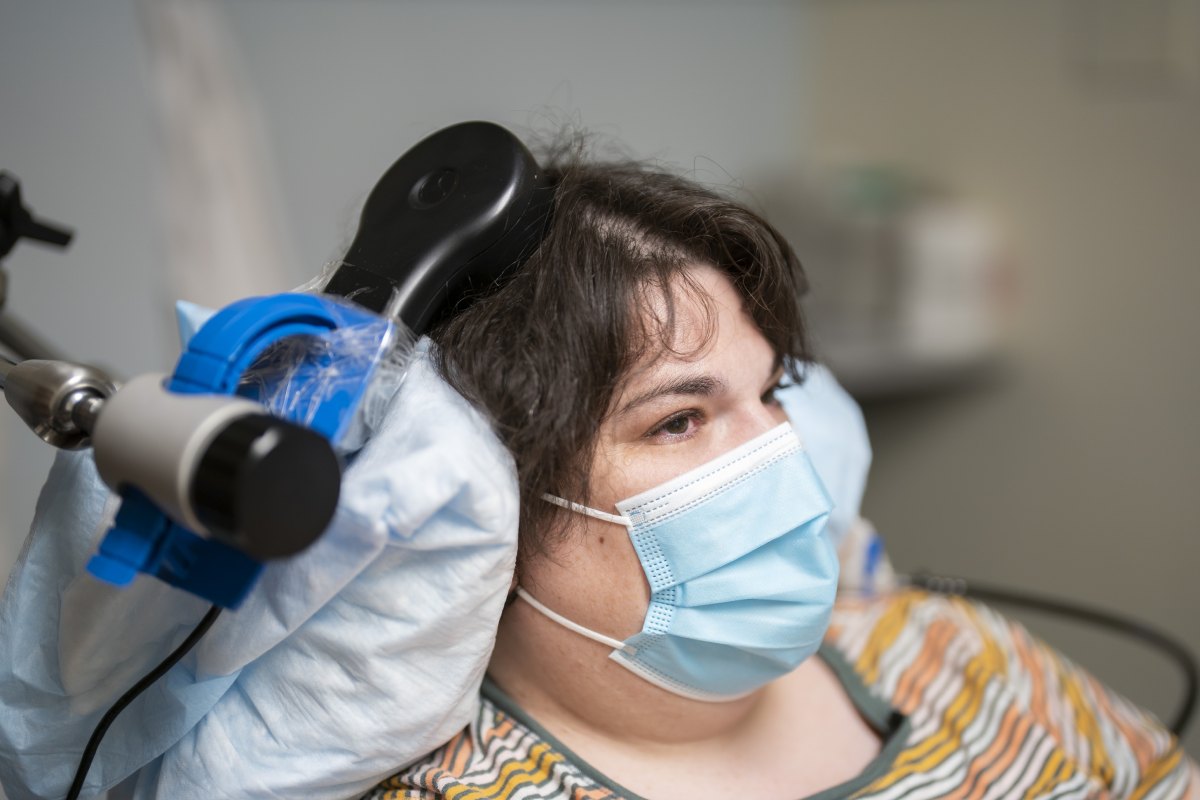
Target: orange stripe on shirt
925,667
1036,672
948,739
1158,772
997,759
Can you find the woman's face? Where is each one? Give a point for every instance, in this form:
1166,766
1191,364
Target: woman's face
673,413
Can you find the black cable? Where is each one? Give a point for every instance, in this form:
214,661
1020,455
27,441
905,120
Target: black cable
163,668
1176,651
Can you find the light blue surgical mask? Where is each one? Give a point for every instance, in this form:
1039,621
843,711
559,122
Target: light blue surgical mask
742,575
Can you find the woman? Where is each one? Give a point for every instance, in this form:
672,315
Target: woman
674,581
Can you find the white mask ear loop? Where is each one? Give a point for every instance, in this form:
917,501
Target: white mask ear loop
574,626
588,512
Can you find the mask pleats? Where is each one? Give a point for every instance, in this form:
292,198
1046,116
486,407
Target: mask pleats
776,571
783,495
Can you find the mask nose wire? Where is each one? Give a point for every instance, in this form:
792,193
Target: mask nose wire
588,512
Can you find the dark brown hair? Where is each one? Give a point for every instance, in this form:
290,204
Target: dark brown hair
545,353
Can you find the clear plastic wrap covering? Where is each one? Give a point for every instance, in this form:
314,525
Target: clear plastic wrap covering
317,283
354,368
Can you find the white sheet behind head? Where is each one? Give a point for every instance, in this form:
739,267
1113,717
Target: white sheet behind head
834,433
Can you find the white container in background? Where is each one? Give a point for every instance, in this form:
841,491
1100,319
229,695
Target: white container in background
947,304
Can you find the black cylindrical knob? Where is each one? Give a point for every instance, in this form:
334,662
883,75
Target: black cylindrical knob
266,486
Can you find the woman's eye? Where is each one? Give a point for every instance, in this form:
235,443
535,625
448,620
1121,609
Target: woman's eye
681,426
676,426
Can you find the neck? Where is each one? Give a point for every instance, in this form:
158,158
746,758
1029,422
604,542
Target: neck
569,684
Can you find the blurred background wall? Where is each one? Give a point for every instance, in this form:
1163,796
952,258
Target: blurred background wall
1068,470
1077,125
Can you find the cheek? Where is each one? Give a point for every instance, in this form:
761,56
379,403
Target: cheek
594,578
622,472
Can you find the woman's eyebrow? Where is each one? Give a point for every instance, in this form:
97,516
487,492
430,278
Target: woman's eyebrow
702,385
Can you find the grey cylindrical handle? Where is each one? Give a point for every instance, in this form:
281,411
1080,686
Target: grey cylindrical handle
152,439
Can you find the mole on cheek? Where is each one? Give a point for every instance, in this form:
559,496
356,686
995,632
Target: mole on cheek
601,540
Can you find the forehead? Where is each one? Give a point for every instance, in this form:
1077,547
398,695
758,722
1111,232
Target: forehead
703,319
680,319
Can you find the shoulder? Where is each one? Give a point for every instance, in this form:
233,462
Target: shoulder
976,685
889,635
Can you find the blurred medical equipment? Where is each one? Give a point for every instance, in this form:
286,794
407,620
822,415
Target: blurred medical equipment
211,485
17,222
218,465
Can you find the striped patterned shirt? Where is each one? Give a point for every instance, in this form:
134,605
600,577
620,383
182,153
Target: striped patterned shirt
967,703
